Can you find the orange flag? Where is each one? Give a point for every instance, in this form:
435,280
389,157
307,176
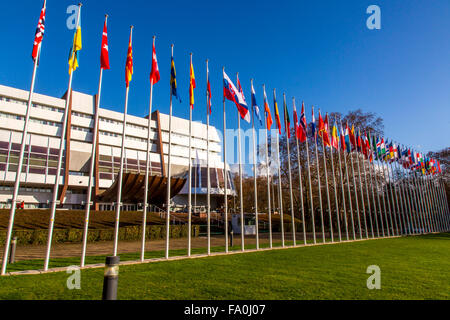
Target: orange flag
129,64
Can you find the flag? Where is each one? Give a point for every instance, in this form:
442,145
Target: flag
208,91
277,114
296,126
287,120
104,54
129,64
323,131
313,124
173,80
352,137
358,142
303,125
245,109
255,105
39,35
73,57
230,92
154,74
343,143
347,138
191,85
335,138
269,120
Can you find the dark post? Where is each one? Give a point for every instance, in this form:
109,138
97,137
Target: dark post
12,253
111,278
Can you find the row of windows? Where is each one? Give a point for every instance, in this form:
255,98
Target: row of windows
38,190
88,130
47,123
82,115
35,105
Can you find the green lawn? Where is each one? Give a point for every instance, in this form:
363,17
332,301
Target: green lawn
411,268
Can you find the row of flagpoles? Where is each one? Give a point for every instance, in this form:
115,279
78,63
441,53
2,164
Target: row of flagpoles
416,210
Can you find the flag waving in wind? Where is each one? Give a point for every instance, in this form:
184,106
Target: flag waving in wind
313,124
129,64
208,91
303,128
255,105
323,130
39,33
154,74
277,114
77,46
230,92
296,126
269,120
173,80
104,55
287,120
191,85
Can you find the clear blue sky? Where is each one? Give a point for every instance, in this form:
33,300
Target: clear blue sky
317,51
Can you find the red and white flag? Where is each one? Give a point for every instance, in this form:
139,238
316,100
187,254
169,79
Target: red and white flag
39,33
104,56
154,74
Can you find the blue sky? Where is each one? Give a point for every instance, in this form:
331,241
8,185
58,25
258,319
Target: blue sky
318,51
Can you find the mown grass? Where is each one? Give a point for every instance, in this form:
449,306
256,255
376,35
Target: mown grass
411,268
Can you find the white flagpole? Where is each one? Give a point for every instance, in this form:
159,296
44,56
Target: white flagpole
335,188
190,179
300,183
147,167
58,172
12,211
120,177
254,172
328,191
225,176
371,186
268,172
241,202
289,171
320,188
169,178
208,196
92,166
348,190
342,182
355,189
280,192
361,188
310,189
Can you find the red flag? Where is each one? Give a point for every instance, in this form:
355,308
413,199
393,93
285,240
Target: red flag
129,64
104,55
154,74
269,120
343,145
209,95
297,128
39,33
323,130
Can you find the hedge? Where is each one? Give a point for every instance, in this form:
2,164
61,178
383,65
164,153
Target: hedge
153,232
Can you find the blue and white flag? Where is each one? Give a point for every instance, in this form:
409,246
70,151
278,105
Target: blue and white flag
255,105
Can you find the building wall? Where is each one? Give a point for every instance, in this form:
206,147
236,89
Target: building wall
43,144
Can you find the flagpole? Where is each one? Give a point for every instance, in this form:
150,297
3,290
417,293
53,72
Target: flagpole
334,185
410,198
372,188
341,176
120,177
254,172
375,177
397,216
415,202
58,172
360,186
92,166
383,196
391,209
280,192
420,204
190,178
437,201
12,211
363,166
406,202
326,184
432,209
367,147
356,191
147,168
320,188
300,184
443,200
348,189
208,196
289,170
268,173
402,205
310,188
241,196
225,175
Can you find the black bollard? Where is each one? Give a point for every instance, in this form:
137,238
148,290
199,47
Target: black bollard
111,278
231,238
12,252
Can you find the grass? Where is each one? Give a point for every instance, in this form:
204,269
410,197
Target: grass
411,268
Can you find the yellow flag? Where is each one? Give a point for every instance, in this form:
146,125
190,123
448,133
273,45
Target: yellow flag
73,59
